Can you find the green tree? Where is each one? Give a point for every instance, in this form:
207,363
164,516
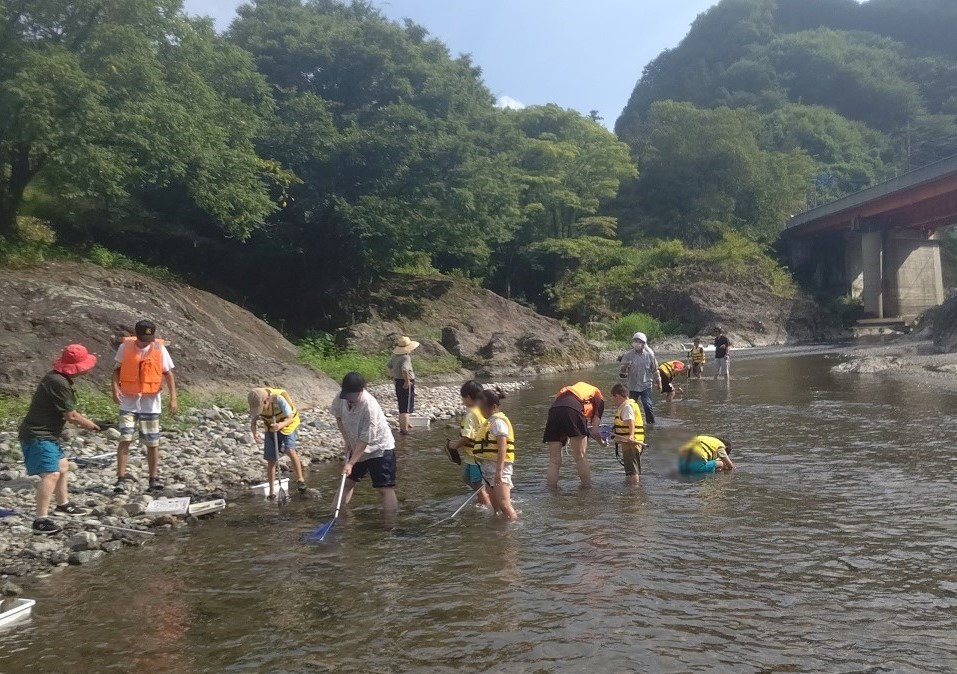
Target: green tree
105,99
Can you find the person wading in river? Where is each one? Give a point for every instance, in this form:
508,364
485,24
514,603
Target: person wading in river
705,454
640,368
142,365
400,366
463,448
722,353
495,452
369,443
281,419
52,406
667,372
628,432
575,409
697,358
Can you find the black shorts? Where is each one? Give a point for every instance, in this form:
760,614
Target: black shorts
405,396
697,368
382,469
666,386
564,423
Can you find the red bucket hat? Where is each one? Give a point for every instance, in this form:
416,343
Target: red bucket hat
74,360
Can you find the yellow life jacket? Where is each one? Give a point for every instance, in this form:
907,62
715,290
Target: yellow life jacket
702,447
476,414
141,374
272,413
586,394
669,368
697,355
487,447
621,426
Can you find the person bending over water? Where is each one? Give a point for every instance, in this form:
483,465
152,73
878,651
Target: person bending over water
569,417
704,454
496,452
463,448
629,432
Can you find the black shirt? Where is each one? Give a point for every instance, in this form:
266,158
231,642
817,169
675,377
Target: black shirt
53,398
721,346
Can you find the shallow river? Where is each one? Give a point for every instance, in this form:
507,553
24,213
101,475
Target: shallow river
832,548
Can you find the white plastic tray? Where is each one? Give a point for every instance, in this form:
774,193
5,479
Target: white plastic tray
263,488
21,609
168,506
207,507
420,421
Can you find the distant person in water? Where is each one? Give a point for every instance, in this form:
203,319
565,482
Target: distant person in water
667,373
722,353
404,376
705,454
573,417
640,368
461,451
697,358
495,452
52,406
369,443
628,432
281,419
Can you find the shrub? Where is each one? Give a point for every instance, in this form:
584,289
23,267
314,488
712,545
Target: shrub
626,326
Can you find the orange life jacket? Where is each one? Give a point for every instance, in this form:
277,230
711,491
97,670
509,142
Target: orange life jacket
141,375
586,394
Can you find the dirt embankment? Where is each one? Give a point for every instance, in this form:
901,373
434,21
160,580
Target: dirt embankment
485,331
751,316
216,345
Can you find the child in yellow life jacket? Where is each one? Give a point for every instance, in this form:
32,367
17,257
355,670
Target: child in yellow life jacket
495,452
697,357
461,451
667,372
281,419
705,454
628,432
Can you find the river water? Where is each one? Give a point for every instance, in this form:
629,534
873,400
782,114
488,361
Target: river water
832,548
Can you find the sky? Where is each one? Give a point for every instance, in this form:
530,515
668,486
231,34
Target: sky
582,54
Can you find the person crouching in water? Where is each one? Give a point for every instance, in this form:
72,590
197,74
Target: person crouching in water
495,452
667,373
704,454
628,432
462,449
281,418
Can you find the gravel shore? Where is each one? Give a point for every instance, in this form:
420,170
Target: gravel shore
212,456
913,360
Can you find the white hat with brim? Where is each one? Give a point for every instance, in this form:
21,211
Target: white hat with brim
404,345
639,337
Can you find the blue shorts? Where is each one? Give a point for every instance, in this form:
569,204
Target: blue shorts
382,469
471,473
286,444
696,466
41,456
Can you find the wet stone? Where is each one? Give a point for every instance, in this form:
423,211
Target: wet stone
85,556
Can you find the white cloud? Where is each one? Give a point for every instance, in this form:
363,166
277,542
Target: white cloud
508,102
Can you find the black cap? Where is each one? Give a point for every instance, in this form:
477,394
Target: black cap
145,331
352,385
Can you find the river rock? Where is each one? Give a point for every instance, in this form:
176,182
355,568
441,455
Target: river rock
163,520
112,546
134,509
9,589
84,540
85,556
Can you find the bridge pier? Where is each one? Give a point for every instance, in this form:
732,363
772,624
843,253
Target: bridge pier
900,272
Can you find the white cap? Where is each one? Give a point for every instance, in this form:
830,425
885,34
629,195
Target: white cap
640,336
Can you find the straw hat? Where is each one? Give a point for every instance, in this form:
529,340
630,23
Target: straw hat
404,345
74,360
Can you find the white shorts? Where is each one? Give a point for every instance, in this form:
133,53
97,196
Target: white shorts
489,468
724,366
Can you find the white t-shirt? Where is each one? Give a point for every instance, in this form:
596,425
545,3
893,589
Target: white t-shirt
498,427
626,412
142,403
364,421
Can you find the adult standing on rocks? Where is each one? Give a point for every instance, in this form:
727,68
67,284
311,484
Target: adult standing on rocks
52,406
401,367
640,367
722,353
142,365
575,408
370,445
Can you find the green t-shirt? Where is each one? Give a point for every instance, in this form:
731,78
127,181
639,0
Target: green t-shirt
54,397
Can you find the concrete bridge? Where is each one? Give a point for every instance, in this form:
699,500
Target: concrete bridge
881,244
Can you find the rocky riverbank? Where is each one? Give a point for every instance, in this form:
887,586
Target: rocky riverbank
211,456
914,360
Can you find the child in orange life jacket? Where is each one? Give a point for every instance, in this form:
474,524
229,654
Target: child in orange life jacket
628,432
281,418
495,452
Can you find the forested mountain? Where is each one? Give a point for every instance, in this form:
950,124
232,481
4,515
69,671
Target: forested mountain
720,124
